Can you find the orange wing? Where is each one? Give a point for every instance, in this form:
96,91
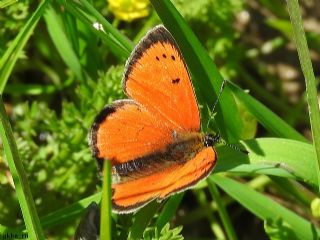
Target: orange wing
124,131
130,195
135,135
156,76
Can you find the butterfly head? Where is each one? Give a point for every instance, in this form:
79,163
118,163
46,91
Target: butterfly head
210,140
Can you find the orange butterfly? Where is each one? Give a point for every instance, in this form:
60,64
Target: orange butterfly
153,139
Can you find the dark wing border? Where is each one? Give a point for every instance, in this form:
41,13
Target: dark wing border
156,34
107,111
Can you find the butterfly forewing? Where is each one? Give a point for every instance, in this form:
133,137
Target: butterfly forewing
125,131
156,77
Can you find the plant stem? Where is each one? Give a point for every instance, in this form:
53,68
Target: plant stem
20,180
306,65
105,229
222,210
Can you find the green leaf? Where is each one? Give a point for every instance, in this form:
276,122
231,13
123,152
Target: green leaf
315,207
6,3
10,57
169,210
272,156
60,216
279,230
267,118
118,44
20,180
142,219
311,84
222,210
105,227
61,42
265,208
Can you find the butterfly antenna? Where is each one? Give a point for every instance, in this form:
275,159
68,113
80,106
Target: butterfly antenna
234,147
216,102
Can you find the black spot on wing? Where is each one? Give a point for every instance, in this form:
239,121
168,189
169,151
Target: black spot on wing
155,35
175,81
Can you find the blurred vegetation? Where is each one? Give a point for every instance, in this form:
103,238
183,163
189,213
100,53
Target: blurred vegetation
51,105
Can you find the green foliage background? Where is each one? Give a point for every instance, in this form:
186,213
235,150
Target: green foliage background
63,78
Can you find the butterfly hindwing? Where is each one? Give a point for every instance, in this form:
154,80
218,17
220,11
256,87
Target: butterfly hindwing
130,195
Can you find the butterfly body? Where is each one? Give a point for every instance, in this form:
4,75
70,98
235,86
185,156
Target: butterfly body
153,139
183,148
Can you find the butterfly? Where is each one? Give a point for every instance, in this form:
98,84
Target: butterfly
153,138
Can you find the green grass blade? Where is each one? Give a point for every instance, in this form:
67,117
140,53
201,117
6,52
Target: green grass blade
105,225
20,180
61,42
30,89
265,208
203,70
10,57
306,65
169,210
6,3
118,44
72,31
142,219
267,118
222,210
60,216
272,156
293,188
119,37
36,89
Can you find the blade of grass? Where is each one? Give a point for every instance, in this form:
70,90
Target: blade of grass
295,189
265,208
267,118
142,219
222,210
197,214
119,37
105,229
272,156
169,210
10,57
35,89
215,225
116,46
202,68
20,180
60,216
6,3
72,31
306,65
61,42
